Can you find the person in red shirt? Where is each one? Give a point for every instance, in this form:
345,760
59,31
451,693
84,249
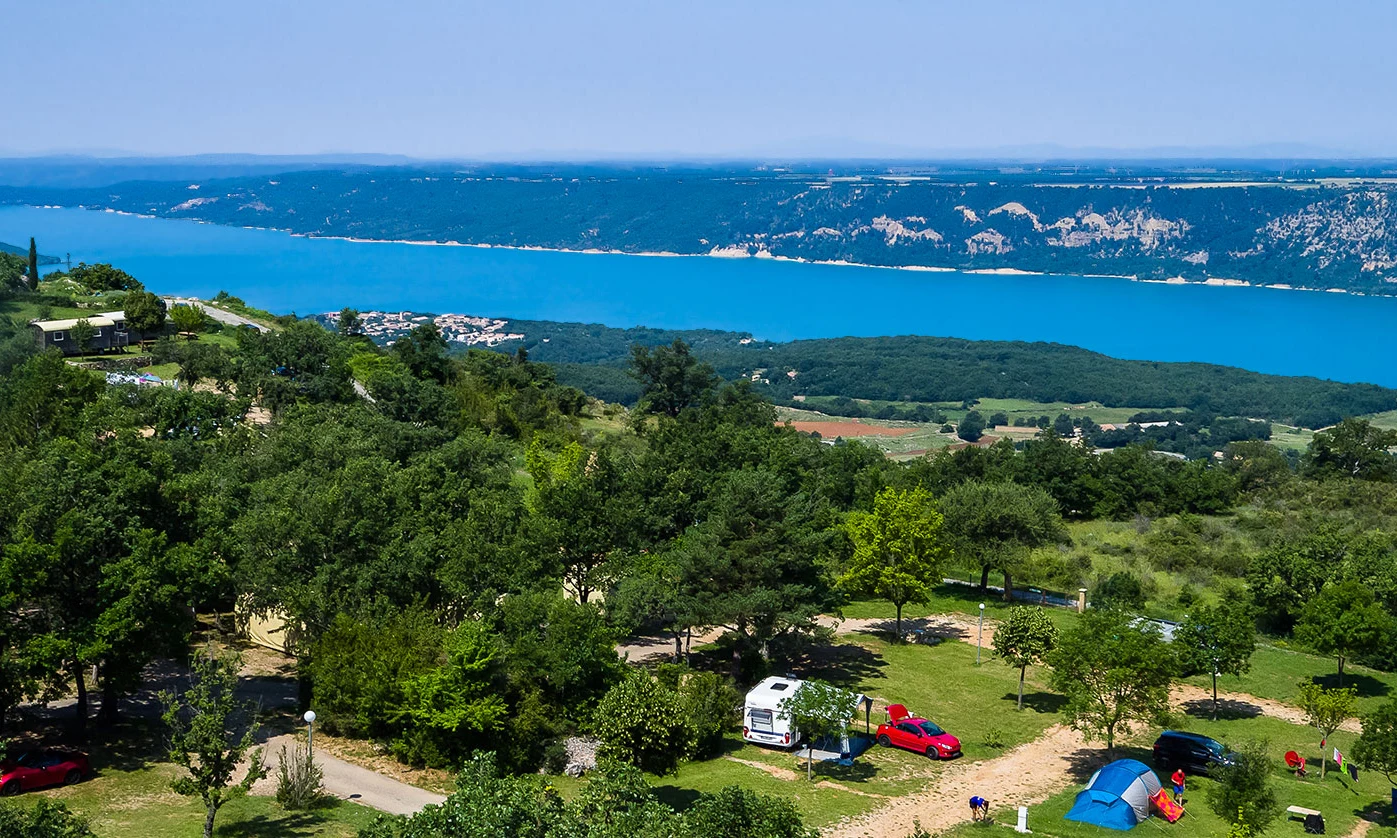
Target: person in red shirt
1178,779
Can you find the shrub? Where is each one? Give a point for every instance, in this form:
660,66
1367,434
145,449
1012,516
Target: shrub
44,819
298,784
1119,590
993,738
641,722
711,703
1243,793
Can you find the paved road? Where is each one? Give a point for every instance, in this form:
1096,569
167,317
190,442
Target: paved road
350,782
218,314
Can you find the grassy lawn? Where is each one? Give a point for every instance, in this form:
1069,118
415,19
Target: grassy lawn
130,797
1296,439
1341,800
939,681
1276,674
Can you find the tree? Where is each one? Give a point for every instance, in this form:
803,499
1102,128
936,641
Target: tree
1243,793
735,812
188,318
643,723
426,354
33,265
898,549
349,323
712,705
1376,749
995,523
1024,638
104,277
818,710
1354,448
203,735
1343,621
145,313
971,427
1326,710
671,378
1114,671
1121,590
82,334
450,710
45,819
1218,640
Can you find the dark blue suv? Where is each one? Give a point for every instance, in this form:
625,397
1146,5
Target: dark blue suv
1192,752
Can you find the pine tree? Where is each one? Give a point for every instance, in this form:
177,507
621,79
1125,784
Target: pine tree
33,266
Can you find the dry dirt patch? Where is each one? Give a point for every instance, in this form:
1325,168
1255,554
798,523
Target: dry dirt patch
848,429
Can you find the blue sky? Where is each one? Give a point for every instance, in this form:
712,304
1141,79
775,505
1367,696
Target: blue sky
533,79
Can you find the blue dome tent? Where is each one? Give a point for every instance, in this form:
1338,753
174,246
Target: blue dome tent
1117,796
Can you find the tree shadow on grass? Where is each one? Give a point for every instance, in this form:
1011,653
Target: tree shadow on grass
860,771
1366,685
1228,709
844,664
1084,762
1038,701
675,797
291,823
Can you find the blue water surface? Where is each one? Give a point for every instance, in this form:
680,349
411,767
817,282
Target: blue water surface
1337,336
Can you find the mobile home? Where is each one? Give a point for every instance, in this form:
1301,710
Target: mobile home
761,713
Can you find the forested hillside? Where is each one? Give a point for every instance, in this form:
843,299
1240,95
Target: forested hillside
1313,233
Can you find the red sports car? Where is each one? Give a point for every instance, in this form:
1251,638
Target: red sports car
36,769
903,730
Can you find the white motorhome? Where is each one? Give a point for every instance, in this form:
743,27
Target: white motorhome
761,713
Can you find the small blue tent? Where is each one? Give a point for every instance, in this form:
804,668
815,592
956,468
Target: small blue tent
1117,796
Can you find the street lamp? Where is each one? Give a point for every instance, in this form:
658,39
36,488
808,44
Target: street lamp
310,731
980,634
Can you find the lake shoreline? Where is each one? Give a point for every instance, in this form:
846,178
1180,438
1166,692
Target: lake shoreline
735,252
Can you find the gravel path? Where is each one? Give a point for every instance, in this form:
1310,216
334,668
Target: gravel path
226,317
349,782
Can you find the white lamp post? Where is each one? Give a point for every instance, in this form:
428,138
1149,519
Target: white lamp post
980,634
310,731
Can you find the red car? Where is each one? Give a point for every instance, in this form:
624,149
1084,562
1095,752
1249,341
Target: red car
36,769
903,730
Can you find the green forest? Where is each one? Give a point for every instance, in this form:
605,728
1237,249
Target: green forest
458,543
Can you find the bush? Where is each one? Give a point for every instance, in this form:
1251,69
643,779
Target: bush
44,819
735,811
1243,793
711,703
645,724
298,784
1119,590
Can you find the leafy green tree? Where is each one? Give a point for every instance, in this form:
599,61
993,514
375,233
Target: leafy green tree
301,362
359,668
818,710
1218,640
1354,448
1122,590
971,427
448,709
104,277
145,313
83,334
1114,672
1326,710
996,523
643,723
1343,621
486,804
1376,748
349,323
1242,793
188,319
898,549
426,354
1024,638
712,705
33,265
45,819
735,812
671,378
203,738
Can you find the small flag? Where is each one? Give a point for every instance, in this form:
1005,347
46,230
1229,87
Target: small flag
1338,758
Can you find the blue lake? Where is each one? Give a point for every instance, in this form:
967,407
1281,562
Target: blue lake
1336,336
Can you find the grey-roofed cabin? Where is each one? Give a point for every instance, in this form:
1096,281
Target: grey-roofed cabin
109,327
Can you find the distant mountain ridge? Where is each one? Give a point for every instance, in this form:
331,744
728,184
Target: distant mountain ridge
1186,223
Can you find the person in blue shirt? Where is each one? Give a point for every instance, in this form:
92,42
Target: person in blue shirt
979,808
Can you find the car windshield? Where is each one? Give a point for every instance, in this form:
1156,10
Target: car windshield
930,728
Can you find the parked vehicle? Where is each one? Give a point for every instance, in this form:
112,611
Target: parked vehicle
36,769
761,713
1193,752
903,730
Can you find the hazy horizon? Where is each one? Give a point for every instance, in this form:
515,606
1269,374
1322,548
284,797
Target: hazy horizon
437,80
